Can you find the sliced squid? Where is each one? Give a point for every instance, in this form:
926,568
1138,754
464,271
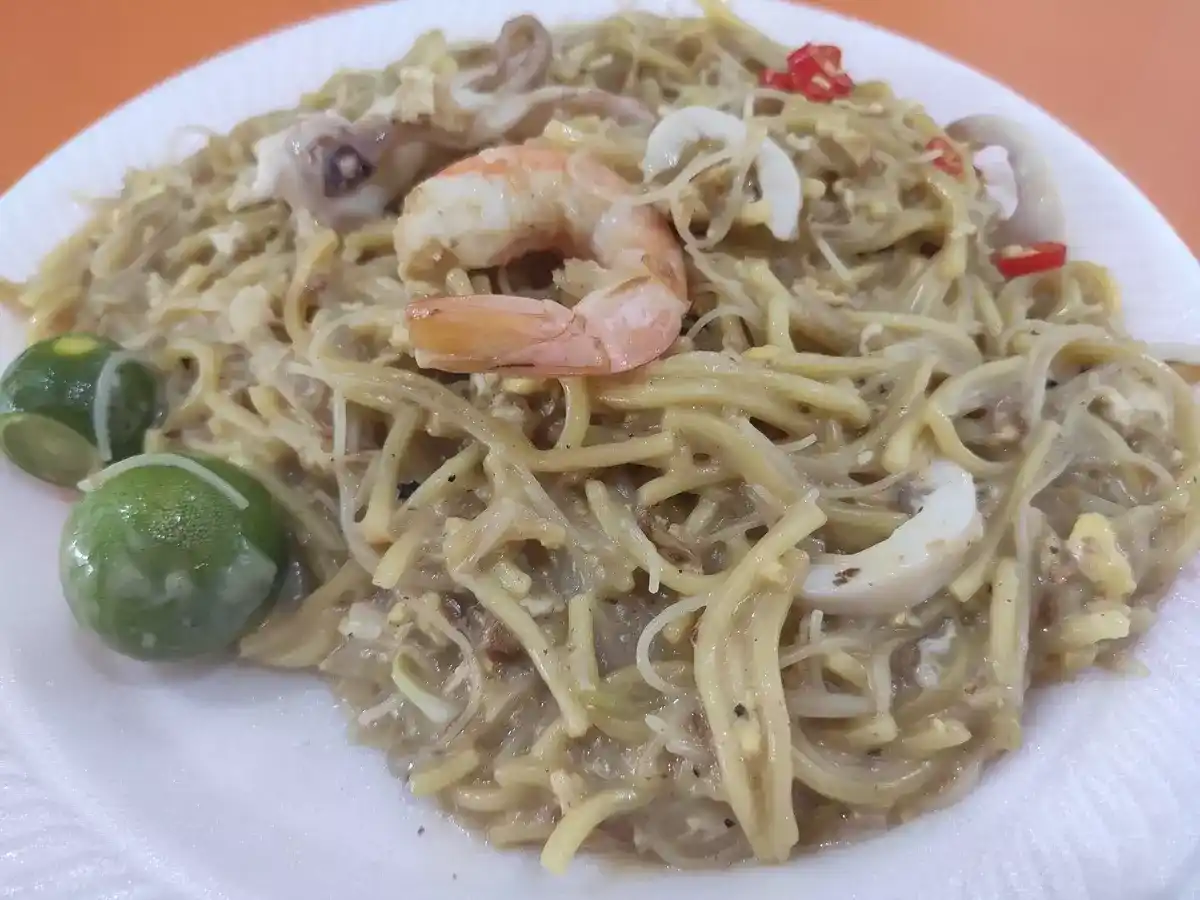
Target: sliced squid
510,101
914,563
777,176
342,173
521,58
1039,214
345,173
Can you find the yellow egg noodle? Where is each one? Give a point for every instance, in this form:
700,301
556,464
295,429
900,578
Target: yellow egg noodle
787,583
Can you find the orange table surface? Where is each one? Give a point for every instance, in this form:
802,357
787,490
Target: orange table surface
1121,74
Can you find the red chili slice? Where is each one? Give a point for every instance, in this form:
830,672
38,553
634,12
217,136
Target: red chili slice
1040,257
828,55
817,72
780,81
949,160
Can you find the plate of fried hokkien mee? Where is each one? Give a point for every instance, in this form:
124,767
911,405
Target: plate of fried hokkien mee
625,452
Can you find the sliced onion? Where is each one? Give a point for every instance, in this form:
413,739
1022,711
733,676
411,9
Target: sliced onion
102,400
430,705
205,474
1039,212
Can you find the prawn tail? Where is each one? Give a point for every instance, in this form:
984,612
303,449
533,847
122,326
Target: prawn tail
496,332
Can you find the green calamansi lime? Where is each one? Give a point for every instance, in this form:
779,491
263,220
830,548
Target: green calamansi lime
72,403
173,557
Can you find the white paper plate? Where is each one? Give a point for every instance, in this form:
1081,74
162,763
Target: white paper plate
119,780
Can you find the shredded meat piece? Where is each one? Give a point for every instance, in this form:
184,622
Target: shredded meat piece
498,642
665,536
482,629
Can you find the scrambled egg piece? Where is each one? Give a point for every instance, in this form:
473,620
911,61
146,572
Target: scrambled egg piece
249,310
414,99
1093,544
417,94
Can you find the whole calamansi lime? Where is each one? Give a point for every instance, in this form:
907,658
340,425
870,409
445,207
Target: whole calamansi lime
173,556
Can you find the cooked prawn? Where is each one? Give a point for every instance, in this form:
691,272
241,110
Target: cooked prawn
508,201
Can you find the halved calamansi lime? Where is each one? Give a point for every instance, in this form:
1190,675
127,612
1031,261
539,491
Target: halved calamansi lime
81,385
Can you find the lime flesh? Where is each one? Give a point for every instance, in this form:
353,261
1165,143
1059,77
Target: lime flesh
58,381
46,449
